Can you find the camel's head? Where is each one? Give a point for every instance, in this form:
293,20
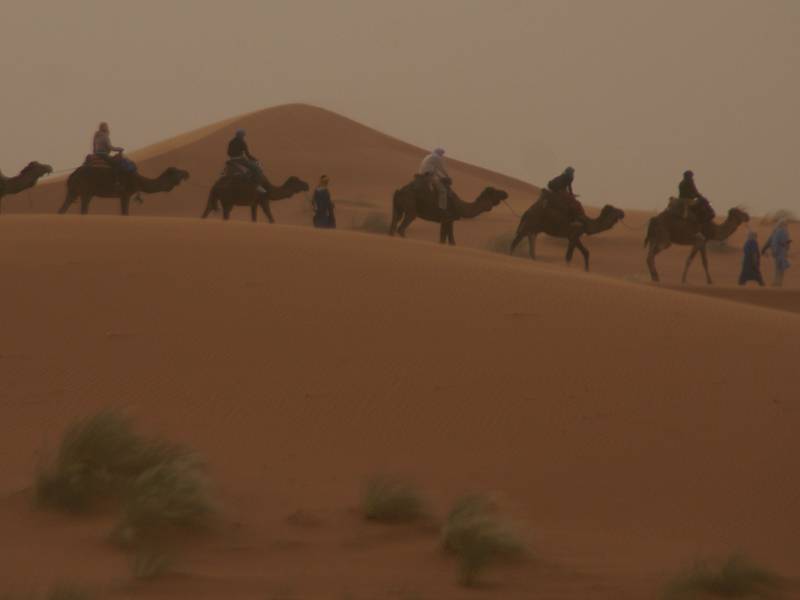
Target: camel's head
613,213
493,196
175,175
739,215
37,169
295,184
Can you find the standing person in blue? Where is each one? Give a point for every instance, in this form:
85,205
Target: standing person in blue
751,261
778,244
323,205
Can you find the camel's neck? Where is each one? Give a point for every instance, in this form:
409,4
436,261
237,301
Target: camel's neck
724,230
281,192
469,210
153,186
600,224
23,181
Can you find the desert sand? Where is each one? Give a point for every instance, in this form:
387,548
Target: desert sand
631,428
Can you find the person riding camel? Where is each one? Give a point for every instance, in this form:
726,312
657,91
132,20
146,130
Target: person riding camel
691,199
432,168
102,148
562,186
239,153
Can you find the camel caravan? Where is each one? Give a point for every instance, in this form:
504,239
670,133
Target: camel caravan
688,220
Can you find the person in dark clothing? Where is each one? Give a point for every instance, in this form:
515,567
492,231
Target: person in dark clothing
692,199
563,183
239,153
751,261
562,186
323,205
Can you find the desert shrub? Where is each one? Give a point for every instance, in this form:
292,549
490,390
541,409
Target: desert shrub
172,495
501,244
96,459
773,218
373,222
478,538
736,577
389,500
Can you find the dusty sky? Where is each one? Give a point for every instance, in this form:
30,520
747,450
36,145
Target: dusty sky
630,92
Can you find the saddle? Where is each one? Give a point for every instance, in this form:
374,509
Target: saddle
698,211
117,162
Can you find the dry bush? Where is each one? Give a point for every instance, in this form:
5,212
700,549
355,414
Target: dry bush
373,222
501,244
174,495
773,218
97,458
476,535
736,577
389,500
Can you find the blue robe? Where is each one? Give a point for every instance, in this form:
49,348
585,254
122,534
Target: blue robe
323,209
751,263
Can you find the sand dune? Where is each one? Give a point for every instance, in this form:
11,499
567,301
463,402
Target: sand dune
365,165
631,428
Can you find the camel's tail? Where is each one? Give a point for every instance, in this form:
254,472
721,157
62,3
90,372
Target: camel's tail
649,236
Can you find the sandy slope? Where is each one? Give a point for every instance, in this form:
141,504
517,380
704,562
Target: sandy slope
364,164
631,428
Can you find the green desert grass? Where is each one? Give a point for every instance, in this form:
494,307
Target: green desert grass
158,487
171,496
478,537
736,577
372,222
97,459
390,500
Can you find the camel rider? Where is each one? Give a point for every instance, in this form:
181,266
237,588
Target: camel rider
432,168
562,185
239,153
102,148
690,197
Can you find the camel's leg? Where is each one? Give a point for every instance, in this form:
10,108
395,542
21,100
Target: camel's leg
442,232
124,205
226,211
85,204
209,209
651,262
265,206
254,212
451,238
67,203
585,251
704,258
407,220
695,250
515,242
570,250
396,216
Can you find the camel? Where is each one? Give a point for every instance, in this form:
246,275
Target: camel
90,180
26,179
418,199
233,191
666,229
548,215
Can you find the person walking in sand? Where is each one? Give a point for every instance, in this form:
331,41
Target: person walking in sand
433,169
751,261
324,217
778,244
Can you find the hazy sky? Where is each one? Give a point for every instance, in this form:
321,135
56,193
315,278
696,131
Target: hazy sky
630,92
